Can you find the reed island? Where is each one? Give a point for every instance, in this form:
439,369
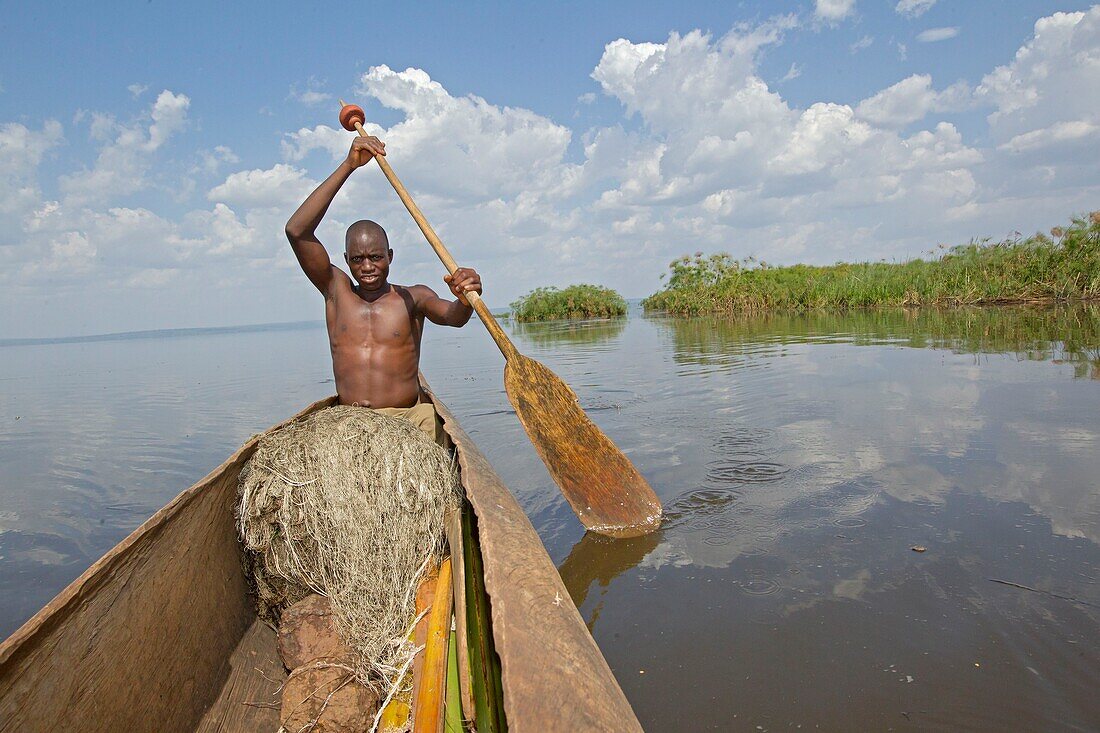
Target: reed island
575,301
1059,267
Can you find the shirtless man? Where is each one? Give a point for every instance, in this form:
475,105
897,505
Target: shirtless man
374,327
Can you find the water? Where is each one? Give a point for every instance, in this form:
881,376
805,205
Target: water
800,458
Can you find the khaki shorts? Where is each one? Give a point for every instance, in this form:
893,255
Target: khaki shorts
423,416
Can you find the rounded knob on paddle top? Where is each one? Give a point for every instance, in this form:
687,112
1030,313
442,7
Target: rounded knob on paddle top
350,114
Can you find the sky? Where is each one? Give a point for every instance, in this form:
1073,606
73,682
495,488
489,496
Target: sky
151,152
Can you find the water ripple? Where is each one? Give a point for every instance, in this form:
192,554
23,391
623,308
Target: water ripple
702,502
760,587
850,522
746,441
745,471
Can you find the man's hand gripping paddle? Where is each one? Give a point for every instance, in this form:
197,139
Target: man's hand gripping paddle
607,493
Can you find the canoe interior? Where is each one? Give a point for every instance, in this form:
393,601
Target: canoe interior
143,639
160,633
249,699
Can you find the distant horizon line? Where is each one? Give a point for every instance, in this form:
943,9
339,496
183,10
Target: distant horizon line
151,332
154,332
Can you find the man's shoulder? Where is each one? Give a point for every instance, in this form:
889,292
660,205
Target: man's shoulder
418,291
415,297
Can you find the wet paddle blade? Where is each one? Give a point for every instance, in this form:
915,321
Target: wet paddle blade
607,493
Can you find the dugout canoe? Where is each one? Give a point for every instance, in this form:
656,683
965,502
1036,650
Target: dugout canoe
160,633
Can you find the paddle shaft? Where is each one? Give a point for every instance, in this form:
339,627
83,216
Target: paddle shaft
502,341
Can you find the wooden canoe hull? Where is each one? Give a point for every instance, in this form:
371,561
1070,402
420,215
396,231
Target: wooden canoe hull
146,638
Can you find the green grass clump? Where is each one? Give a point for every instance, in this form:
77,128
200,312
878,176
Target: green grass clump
575,301
1040,268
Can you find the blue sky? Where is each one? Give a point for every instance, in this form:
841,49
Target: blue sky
150,153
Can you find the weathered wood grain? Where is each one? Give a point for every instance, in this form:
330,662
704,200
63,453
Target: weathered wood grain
606,492
249,699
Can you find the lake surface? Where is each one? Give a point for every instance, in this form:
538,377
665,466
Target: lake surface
800,458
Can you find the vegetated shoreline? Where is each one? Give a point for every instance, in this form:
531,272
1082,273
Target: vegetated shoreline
575,301
1040,269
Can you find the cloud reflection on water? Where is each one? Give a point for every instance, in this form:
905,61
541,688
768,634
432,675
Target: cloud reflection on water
849,425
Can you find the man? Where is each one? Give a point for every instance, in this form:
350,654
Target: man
374,327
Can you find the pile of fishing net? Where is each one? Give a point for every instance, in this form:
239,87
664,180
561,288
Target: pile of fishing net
350,504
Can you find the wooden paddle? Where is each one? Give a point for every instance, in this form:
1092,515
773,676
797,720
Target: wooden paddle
607,493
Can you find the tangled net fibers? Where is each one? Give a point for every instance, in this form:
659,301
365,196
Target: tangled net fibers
351,504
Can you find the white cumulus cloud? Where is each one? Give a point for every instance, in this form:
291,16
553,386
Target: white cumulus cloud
21,151
310,94
833,10
334,141
792,73
465,148
933,35
914,8
1059,132
1054,77
281,186
121,165
911,100
862,43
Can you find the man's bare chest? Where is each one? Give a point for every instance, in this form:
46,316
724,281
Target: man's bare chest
387,321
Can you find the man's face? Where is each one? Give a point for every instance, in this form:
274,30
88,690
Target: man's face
369,261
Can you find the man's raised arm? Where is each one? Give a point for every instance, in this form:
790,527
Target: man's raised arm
301,230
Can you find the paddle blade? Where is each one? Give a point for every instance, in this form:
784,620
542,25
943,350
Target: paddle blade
607,493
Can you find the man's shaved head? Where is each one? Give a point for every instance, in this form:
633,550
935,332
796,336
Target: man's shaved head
366,232
368,254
